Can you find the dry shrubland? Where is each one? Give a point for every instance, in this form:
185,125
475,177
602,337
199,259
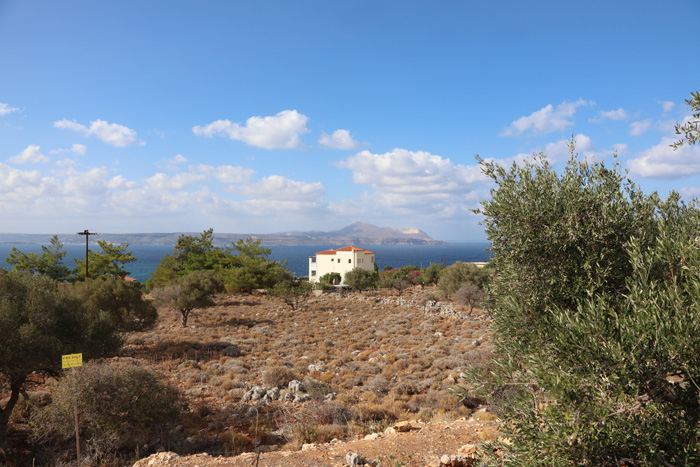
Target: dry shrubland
357,362
362,360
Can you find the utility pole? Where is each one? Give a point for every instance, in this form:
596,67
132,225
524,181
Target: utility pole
87,237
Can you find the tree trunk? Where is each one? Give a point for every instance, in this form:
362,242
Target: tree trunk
5,413
185,315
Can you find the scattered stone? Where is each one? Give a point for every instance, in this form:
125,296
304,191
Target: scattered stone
295,385
403,427
353,459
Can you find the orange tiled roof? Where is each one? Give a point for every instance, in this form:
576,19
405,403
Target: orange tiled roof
345,248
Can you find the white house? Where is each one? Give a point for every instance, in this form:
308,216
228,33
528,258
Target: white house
341,261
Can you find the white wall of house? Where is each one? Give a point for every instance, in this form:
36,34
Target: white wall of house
341,261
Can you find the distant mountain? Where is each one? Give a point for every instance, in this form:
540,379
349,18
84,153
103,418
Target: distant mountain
358,233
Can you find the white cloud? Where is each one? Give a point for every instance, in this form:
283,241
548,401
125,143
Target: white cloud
29,154
667,106
177,182
546,120
281,131
111,133
413,183
177,159
280,189
640,127
5,109
225,173
339,139
617,115
662,161
79,149
12,179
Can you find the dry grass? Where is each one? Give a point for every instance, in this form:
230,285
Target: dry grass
364,362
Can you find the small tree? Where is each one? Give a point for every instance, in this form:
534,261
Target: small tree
49,263
360,279
458,273
189,293
109,261
431,275
293,293
400,285
38,325
469,295
332,278
120,407
122,301
252,268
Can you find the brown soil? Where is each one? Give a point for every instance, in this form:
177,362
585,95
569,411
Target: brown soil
421,446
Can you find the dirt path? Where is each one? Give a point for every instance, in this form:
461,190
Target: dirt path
423,445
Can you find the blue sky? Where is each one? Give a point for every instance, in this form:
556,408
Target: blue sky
268,116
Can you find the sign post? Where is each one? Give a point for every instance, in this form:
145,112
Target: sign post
72,361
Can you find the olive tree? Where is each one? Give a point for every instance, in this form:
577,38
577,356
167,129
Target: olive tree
690,131
360,279
596,317
455,275
38,325
293,293
120,300
189,292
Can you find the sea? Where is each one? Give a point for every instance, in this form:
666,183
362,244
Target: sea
297,257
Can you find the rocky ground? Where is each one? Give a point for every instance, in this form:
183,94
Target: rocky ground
262,384
412,443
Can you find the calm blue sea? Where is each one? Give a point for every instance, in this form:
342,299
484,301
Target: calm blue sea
148,256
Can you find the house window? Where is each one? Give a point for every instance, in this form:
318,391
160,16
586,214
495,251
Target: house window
331,260
349,261
313,273
371,258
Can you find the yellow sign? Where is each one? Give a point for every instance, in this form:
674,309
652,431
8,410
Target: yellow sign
72,360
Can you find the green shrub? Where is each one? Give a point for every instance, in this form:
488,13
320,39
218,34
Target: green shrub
361,279
431,275
119,407
122,301
595,316
331,278
457,274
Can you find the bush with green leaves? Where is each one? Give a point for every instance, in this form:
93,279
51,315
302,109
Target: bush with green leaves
120,406
431,275
38,325
49,262
109,260
122,301
243,266
458,273
293,293
360,279
596,318
331,278
189,292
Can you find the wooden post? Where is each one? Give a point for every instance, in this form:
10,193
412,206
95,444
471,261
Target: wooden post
87,236
77,431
